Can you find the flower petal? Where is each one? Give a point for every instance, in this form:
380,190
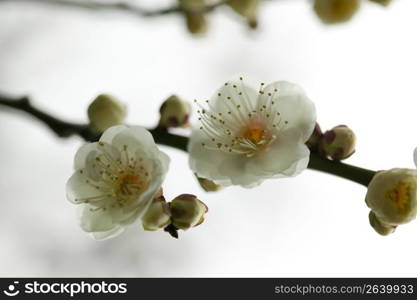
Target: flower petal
287,156
134,137
293,105
205,162
230,95
77,188
95,220
160,168
81,155
99,236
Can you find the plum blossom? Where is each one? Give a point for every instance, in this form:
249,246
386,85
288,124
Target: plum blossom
247,136
116,179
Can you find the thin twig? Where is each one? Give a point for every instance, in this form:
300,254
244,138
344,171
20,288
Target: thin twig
65,129
162,136
61,128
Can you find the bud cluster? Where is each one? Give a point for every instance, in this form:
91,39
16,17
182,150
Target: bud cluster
184,212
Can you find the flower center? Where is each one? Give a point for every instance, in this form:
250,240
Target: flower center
122,178
129,185
254,134
238,124
400,195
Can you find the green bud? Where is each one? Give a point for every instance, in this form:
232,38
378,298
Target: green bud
175,112
380,227
195,17
157,216
104,112
187,211
335,11
208,185
196,22
392,196
338,143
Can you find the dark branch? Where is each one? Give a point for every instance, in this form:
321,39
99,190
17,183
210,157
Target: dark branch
61,128
65,129
162,136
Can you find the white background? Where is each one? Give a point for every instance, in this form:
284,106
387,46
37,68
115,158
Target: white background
362,73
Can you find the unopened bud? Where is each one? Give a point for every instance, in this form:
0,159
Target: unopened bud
175,112
336,11
247,9
380,227
392,196
194,12
104,112
187,211
157,216
338,143
382,2
208,185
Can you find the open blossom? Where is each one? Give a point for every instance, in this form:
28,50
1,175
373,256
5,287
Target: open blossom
116,179
245,137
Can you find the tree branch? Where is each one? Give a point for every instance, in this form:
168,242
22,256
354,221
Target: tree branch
123,7
162,136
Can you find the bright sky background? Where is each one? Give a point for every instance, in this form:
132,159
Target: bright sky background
362,73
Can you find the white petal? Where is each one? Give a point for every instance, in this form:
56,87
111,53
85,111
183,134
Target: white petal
110,133
287,156
95,220
294,106
135,138
203,161
108,155
77,188
82,153
99,236
160,168
232,89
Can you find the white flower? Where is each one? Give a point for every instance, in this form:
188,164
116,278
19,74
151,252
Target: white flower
392,196
116,179
246,136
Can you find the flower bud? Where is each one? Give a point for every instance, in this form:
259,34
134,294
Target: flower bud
313,141
174,112
104,112
392,196
382,2
335,11
246,8
194,12
380,227
208,185
157,216
187,211
338,143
